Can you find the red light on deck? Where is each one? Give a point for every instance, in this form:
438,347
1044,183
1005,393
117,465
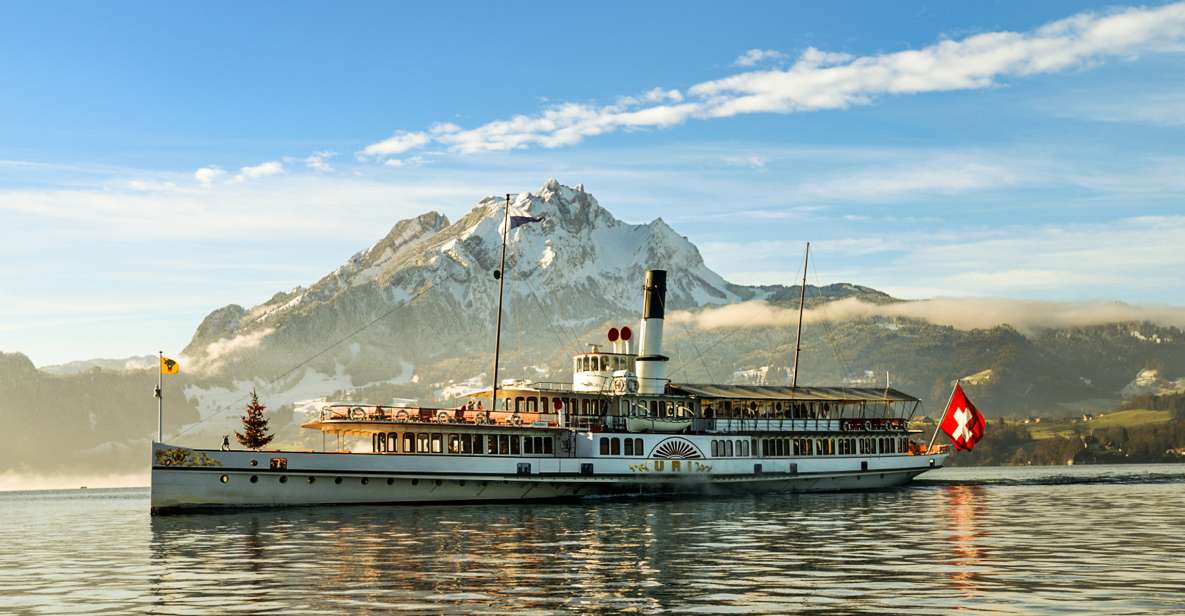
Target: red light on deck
612,334
626,334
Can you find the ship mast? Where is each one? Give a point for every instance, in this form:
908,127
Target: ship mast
500,274
801,304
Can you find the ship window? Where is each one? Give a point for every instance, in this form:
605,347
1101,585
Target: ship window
728,448
437,442
575,364
492,444
393,441
615,445
629,446
454,443
547,444
409,442
421,443
532,405
518,404
604,445
604,362
504,444
543,406
715,449
781,447
528,445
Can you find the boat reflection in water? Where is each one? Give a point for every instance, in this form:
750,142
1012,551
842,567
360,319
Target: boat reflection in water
925,549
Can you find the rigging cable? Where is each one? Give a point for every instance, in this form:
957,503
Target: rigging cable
829,334
271,381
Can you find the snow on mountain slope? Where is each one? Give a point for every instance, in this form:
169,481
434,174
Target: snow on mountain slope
579,266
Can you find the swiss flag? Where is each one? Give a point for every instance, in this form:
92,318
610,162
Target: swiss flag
962,422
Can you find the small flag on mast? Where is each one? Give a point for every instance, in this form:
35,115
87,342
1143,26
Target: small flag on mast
962,422
169,366
518,221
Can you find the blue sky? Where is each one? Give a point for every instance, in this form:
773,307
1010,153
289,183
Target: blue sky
159,160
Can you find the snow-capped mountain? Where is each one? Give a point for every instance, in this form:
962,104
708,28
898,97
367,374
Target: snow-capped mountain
431,285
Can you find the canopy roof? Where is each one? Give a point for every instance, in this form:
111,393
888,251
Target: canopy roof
778,392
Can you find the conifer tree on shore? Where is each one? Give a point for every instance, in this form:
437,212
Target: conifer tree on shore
255,434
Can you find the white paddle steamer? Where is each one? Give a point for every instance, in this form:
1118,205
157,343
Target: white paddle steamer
620,427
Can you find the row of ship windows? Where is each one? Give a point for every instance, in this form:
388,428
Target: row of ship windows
543,404
773,447
364,481
778,409
461,444
602,363
613,446
729,449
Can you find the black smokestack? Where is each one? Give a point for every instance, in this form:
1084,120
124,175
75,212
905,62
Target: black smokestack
654,298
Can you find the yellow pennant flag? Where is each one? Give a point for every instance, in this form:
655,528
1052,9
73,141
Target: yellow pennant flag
169,366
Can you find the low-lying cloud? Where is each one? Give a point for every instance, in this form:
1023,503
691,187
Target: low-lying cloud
1026,316
218,352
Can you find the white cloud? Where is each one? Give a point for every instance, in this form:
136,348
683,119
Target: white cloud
262,170
207,175
936,177
757,56
218,352
318,161
825,80
150,186
399,143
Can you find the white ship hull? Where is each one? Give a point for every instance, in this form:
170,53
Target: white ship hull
217,479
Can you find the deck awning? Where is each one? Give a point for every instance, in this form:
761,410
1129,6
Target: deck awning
776,392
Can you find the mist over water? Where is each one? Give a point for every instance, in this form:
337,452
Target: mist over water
1102,540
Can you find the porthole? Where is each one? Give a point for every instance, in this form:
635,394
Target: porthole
337,480
255,463
224,479
365,481
415,482
283,479
390,481
254,478
312,479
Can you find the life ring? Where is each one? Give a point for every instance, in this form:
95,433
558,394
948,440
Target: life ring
401,416
516,420
481,418
357,413
631,385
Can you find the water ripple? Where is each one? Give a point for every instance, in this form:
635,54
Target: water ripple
1102,540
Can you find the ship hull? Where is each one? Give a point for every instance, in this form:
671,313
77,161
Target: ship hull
204,479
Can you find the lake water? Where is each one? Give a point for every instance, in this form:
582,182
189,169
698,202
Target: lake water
1072,540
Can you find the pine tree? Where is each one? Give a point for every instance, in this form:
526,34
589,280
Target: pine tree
255,434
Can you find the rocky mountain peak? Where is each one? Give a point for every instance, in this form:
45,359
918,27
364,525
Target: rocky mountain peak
578,265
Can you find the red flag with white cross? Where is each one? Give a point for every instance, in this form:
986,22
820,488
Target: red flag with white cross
962,422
